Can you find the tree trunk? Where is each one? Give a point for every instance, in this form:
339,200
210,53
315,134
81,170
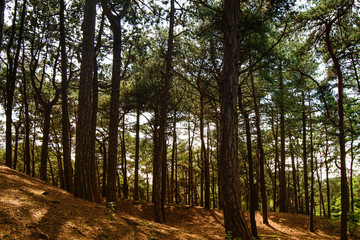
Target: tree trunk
282,173
83,129
253,197
294,175
137,147
17,128
261,151
11,79
114,115
174,146
190,167
2,13
27,157
327,172
160,157
45,143
276,158
228,163
312,172
351,167
65,124
306,184
344,183
124,162
205,158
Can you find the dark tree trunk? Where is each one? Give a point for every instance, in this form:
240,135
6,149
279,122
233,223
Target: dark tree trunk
205,158
159,187
190,167
58,157
92,161
261,151
52,173
156,196
327,172
306,184
114,106
124,162
174,146
218,160
322,204
176,174
11,79
47,106
45,143
351,168
282,172
137,147
83,129
228,166
344,183
253,197
17,128
65,124
312,172
2,13
27,127
103,151
95,99
33,146
276,158
294,175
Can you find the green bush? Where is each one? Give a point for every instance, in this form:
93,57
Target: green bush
354,221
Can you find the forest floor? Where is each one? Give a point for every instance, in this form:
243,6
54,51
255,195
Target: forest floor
32,209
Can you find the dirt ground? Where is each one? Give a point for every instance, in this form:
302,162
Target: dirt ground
32,209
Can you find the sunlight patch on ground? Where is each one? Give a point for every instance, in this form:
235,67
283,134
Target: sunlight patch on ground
38,214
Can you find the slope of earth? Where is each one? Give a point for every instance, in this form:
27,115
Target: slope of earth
32,209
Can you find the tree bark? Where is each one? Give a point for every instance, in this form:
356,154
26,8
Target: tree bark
253,197
65,124
282,173
2,13
327,172
114,106
294,172
11,79
124,161
27,157
228,166
306,184
261,151
83,129
172,174
160,157
344,182
137,147
47,106
311,172
276,158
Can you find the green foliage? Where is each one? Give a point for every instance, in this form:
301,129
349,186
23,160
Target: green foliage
354,221
112,209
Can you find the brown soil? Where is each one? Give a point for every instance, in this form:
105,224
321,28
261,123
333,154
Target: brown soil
32,209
